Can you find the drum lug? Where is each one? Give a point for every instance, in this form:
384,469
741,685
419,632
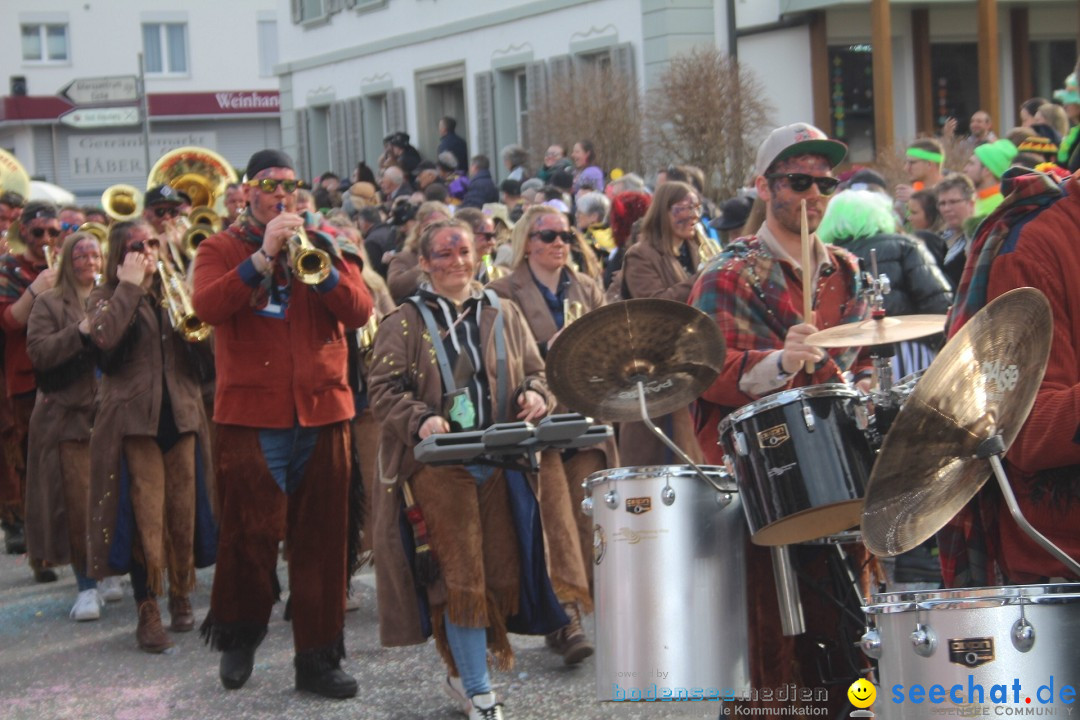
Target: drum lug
667,495
870,642
924,640
611,499
740,444
862,416
1023,635
586,506
724,499
808,417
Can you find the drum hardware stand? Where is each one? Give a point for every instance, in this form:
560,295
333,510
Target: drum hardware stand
992,449
787,591
667,495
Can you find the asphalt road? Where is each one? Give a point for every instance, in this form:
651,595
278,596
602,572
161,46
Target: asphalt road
52,668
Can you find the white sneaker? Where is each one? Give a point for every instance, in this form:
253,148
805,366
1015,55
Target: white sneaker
455,689
110,589
87,606
484,707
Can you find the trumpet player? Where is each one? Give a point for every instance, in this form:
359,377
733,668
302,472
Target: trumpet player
23,276
282,408
150,475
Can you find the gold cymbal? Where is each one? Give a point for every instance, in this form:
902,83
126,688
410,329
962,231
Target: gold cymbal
594,365
982,383
878,332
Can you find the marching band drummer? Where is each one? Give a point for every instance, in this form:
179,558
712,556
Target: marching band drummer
753,289
546,288
483,368
150,476
58,456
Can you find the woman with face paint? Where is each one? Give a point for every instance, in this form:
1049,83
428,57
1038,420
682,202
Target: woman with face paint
456,358
663,263
58,457
552,294
150,476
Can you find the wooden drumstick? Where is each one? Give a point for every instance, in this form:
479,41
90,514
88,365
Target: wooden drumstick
808,279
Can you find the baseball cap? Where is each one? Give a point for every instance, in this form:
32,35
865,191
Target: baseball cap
165,194
798,139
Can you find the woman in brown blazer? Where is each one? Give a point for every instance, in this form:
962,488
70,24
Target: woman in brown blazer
546,288
403,274
58,456
663,263
150,479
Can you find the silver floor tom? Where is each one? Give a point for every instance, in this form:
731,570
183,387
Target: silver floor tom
670,582
977,637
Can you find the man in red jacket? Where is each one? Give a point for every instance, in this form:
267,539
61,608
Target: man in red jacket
282,407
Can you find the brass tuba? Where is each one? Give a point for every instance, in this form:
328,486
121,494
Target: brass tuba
177,301
122,202
204,223
100,233
199,173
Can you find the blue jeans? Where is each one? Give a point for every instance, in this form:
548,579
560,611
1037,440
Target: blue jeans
469,645
287,453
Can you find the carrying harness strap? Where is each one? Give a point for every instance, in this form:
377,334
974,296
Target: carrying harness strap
502,395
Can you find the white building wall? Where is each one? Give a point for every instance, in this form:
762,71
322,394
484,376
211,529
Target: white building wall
105,37
788,92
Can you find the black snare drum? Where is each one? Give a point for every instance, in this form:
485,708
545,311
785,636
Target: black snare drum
801,460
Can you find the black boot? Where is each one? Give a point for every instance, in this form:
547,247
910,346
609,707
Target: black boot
319,672
237,643
14,539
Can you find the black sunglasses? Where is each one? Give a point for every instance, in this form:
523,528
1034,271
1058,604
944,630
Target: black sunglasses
170,211
801,182
39,233
549,236
269,185
139,245
487,235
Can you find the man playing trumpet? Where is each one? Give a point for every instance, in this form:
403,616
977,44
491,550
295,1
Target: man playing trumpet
282,408
23,276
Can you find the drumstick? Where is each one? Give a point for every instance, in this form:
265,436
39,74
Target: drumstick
808,279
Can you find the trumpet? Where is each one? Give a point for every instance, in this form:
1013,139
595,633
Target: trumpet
308,262
572,310
494,272
50,256
708,248
178,303
204,223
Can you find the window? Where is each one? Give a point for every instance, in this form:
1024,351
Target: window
44,43
311,9
165,48
851,77
268,47
521,105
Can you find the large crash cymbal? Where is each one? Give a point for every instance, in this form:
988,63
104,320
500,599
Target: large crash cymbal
983,383
595,363
878,332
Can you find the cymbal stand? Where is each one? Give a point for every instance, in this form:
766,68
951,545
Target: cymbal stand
992,449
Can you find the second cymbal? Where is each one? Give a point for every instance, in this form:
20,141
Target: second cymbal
879,332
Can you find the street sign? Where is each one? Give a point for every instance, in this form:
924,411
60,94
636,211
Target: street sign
101,117
101,90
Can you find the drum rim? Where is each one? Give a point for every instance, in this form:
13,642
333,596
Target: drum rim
786,397
971,598
652,472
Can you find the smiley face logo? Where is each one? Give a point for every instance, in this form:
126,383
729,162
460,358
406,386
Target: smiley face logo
862,693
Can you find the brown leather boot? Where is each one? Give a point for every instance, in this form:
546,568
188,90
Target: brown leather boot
182,619
150,635
570,640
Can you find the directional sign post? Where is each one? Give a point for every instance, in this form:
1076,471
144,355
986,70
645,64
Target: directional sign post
84,118
101,90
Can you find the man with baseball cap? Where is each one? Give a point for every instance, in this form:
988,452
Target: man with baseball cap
282,407
754,291
985,168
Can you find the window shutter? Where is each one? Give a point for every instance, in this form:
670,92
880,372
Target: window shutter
354,133
561,68
395,111
302,143
485,113
297,10
338,150
535,91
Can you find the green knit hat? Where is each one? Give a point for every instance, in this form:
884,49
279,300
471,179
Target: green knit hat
996,156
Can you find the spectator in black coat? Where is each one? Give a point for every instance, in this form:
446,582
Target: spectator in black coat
482,188
450,141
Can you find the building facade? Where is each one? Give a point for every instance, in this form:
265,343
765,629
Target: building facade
352,71
208,75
